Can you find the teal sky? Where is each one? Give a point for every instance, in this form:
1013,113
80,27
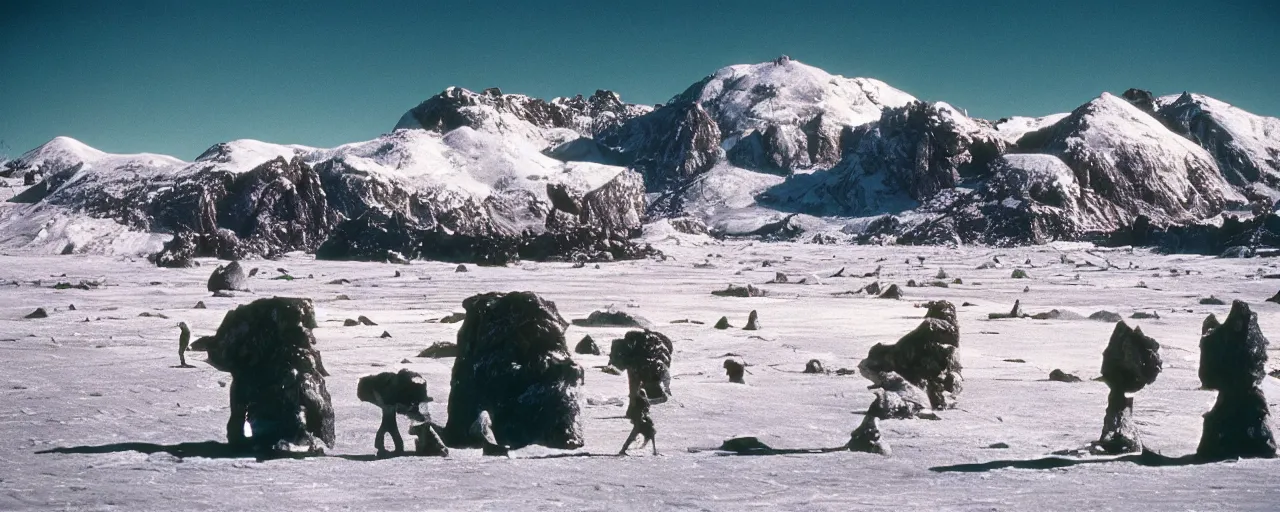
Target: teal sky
175,77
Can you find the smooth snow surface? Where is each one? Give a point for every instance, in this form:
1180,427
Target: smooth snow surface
66,382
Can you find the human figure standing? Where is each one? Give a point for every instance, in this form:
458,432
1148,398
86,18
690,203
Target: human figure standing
184,340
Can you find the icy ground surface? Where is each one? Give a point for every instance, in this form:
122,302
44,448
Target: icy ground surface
65,382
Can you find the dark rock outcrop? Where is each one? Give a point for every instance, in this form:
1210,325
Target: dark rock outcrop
753,321
277,376
514,364
1233,358
926,357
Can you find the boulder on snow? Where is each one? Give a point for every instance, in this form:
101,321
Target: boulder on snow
229,277
753,321
1060,376
740,291
735,370
814,366
892,292
440,349
722,323
1233,358
926,357
277,376
587,346
613,318
514,364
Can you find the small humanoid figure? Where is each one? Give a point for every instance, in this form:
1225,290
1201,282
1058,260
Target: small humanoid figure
184,340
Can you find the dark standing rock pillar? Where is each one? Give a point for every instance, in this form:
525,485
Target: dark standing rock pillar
277,377
1130,362
513,362
1233,357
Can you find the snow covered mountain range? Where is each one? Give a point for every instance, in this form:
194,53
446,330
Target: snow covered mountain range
777,150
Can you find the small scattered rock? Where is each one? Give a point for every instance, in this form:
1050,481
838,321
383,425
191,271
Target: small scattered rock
38,313
587,346
224,294
1106,316
453,318
340,281
723,323
735,371
350,323
1143,315
753,322
613,318
200,305
814,366
440,349
1019,274
460,268
342,296
1212,301
364,320
740,291
1061,376
385,334
892,292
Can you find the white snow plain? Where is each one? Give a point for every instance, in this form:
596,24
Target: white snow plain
67,382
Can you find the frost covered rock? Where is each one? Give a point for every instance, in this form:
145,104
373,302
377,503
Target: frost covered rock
1245,146
514,364
926,357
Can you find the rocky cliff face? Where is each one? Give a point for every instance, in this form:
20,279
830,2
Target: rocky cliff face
1245,146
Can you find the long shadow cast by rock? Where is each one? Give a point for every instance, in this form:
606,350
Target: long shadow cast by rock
1146,458
206,449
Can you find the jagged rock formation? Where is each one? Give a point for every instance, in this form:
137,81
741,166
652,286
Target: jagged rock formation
277,376
1233,357
1130,362
514,364
926,357
229,277
587,346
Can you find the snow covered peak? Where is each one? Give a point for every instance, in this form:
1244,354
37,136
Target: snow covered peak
244,154
1246,146
66,153
788,92
1110,120
1013,128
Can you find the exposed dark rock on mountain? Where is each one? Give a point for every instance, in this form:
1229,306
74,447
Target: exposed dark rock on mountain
1245,146
277,376
1233,357
514,364
1258,232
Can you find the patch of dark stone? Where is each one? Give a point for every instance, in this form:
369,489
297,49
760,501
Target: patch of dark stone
735,370
753,321
1060,376
723,323
814,366
38,313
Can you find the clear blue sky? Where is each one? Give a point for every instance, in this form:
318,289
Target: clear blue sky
178,76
